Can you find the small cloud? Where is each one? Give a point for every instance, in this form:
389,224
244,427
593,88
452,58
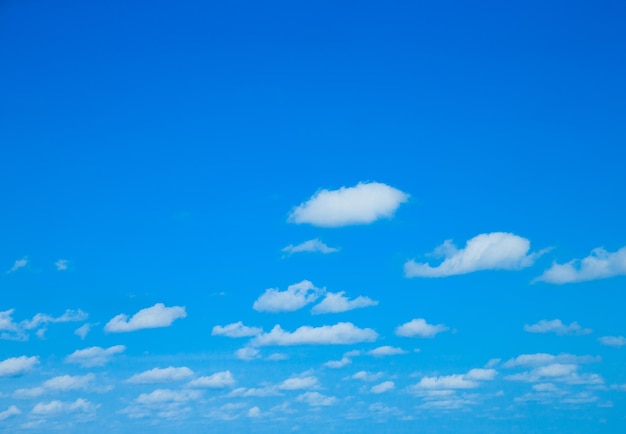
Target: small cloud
62,383
613,341
420,328
152,317
247,353
59,407
20,263
335,364
358,205
338,334
383,387
337,302
309,246
299,383
41,319
277,357
236,330
218,380
161,375
16,366
491,251
538,359
316,399
367,376
62,264
295,297
254,412
600,264
556,326
83,330
94,356
9,412
386,350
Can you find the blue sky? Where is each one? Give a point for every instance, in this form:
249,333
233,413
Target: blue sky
307,216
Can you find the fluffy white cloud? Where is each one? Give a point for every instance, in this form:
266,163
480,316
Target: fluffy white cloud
20,263
480,374
600,264
443,385
299,383
361,204
219,380
316,399
61,264
254,412
236,330
613,341
94,356
338,334
15,366
61,383
83,330
383,387
335,364
9,412
556,326
492,251
162,375
420,328
386,350
150,317
309,246
295,297
167,395
247,353
537,359
337,302
254,392
58,407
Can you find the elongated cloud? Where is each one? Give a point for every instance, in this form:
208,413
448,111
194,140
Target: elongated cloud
337,302
41,319
361,204
9,412
94,356
15,366
420,328
219,380
59,407
470,380
338,334
556,326
600,264
20,263
295,297
383,387
613,341
309,246
492,251
151,317
236,330
162,375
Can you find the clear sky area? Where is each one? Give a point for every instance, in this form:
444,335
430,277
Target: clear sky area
312,216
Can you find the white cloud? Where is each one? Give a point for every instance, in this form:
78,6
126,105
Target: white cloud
254,392
58,407
538,359
295,297
62,264
367,376
247,353
277,356
254,412
83,330
309,246
299,383
480,374
338,334
236,330
316,399
383,387
20,263
600,264
219,380
492,251
16,366
9,412
386,350
150,317
62,383
613,341
9,328
335,364
41,319
94,356
167,395
162,375
456,381
337,302
361,204
556,326
420,328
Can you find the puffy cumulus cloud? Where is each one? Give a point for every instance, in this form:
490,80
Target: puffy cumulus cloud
299,383
62,264
150,317
556,372
556,326
613,341
61,383
443,385
219,380
236,330
247,353
59,407
168,395
94,356
162,375
383,387
492,251
316,399
537,359
254,412
20,263
337,302
309,246
339,334
386,350
9,412
480,374
600,264
361,204
295,297
336,364
420,328
16,366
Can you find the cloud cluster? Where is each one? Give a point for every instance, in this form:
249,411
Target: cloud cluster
295,297
556,326
339,334
94,356
150,317
600,264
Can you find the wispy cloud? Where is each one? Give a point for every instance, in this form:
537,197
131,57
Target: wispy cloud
20,263
600,264
94,356
219,380
361,204
613,341
162,375
337,302
151,317
62,264
314,245
236,330
9,412
340,333
556,326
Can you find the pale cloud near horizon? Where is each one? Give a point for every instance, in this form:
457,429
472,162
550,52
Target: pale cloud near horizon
420,328
94,356
489,251
600,264
156,316
20,263
338,334
314,245
295,297
337,302
361,204
556,326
